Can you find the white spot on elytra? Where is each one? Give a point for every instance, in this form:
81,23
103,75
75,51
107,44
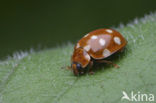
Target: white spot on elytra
102,42
117,40
87,48
86,35
106,53
87,57
94,37
109,31
78,45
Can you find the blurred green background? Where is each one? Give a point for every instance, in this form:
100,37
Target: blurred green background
44,24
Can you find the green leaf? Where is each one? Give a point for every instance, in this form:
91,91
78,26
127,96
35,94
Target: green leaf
38,77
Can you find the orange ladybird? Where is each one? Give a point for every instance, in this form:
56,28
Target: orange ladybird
95,47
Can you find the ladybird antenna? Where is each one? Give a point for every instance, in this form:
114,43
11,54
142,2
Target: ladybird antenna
66,67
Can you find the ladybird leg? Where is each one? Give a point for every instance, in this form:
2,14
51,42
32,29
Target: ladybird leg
90,64
108,62
90,67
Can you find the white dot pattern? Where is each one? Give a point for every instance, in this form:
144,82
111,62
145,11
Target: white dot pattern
102,42
78,45
117,40
109,31
87,57
94,37
87,48
106,53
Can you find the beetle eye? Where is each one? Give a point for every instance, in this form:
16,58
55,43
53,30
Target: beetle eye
78,66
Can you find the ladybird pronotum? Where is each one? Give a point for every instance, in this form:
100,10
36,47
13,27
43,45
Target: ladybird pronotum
95,47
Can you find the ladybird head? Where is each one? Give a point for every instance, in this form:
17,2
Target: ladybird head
80,60
77,69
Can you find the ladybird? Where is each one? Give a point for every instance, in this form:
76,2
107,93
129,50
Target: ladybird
95,47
